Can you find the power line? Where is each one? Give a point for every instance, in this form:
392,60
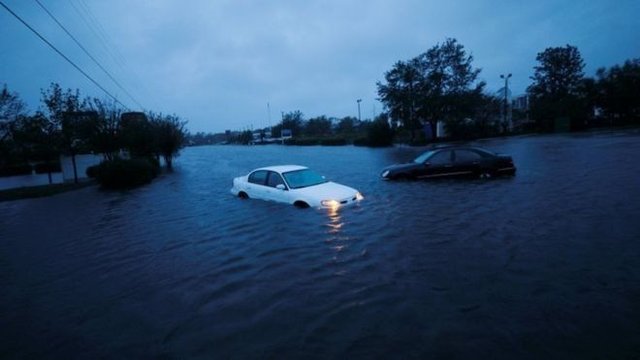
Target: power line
102,31
63,55
88,54
95,33
93,24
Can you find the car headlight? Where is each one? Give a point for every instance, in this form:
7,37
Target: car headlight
330,203
385,173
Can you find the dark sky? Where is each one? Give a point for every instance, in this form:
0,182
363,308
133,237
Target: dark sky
218,63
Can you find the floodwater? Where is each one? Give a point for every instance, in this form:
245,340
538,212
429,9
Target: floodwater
542,265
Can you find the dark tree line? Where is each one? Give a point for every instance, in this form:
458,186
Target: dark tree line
70,125
321,126
323,130
441,85
560,91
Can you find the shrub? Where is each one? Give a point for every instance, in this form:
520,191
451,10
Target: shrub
92,171
380,133
361,141
124,173
333,141
311,141
302,141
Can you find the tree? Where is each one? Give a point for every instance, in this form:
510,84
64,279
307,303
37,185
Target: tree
555,92
244,138
346,126
137,135
379,133
483,120
59,102
60,105
431,87
170,136
618,91
399,93
12,108
319,126
36,139
293,121
106,140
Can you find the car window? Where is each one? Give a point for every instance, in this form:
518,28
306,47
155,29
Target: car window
423,157
258,177
303,178
274,179
464,156
440,158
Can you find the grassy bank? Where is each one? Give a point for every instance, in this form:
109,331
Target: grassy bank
41,191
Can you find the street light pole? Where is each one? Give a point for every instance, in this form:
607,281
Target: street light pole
358,101
505,106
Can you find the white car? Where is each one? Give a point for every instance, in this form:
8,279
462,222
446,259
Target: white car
294,184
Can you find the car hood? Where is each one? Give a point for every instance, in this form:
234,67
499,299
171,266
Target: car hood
326,191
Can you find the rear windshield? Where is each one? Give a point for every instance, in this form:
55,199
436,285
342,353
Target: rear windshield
303,178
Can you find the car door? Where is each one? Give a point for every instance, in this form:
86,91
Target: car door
272,191
256,184
437,165
467,162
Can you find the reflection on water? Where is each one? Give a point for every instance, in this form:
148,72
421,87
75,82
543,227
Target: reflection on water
543,265
334,220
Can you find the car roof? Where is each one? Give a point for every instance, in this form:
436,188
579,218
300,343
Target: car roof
282,168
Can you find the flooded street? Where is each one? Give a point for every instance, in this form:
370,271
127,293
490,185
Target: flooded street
542,265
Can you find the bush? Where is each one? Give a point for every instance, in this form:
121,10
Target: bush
379,134
333,142
92,171
311,141
124,173
361,141
45,168
15,170
302,141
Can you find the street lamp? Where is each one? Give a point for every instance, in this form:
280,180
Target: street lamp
506,91
358,101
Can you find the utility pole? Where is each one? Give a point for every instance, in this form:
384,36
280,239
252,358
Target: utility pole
269,115
358,101
505,122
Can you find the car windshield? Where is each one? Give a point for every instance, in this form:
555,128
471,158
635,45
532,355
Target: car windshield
422,158
303,178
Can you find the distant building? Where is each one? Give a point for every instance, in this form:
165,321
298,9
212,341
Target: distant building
520,105
520,102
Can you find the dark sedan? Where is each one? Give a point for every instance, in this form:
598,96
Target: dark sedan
452,162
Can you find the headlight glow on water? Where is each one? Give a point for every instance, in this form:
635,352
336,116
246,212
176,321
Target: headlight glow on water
330,203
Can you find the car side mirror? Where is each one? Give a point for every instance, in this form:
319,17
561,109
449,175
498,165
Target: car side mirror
281,187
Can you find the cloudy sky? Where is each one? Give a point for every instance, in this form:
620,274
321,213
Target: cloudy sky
218,63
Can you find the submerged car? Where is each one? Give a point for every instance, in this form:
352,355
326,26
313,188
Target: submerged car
452,162
296,185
